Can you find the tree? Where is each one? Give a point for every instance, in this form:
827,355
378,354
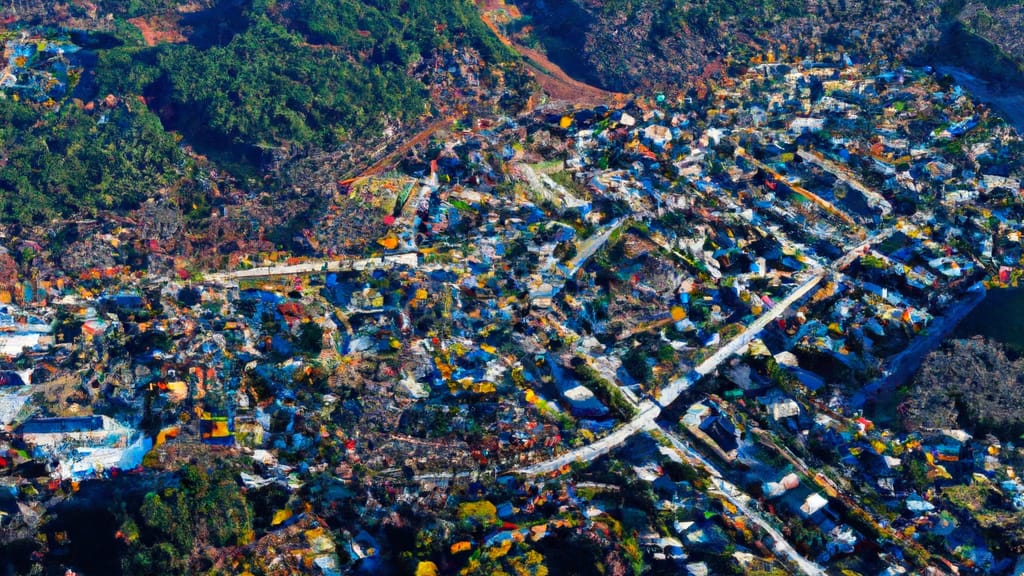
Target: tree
635,363
310,338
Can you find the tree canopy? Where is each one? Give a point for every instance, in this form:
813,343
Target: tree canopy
79,161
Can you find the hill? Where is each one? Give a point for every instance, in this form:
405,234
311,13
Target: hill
244,83
631,45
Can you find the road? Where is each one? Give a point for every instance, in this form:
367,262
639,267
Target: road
649,410
406,145
874,199
679,385
856,252
584,251
902,366
741,500
410,259
591,245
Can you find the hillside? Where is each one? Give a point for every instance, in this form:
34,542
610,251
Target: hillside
984,38
302,73
971,384
629,45
651,44
252,86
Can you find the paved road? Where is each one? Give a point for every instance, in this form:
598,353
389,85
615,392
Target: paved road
649,411
856,252
741,501
408,259
902,366
585,250
679,385
591,245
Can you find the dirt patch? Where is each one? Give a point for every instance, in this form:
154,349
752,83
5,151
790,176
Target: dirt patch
560,86
552,79
159,29
407,145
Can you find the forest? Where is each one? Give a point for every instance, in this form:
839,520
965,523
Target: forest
312,73
308,75
79,161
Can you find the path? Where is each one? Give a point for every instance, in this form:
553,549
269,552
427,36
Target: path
585,250
409,144
821,202
874,199
551,77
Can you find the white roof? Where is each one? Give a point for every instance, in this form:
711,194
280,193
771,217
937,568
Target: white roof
813,503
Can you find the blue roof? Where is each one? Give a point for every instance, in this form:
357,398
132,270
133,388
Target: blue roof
62,425
9,378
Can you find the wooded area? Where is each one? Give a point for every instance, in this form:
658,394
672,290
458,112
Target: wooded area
307,75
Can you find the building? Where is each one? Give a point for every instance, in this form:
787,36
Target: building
49,432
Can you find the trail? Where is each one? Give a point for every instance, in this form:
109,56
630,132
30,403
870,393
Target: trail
554,81
402,149
156,35
315,266
741,501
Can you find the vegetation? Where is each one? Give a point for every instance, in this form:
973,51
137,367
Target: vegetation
78,161
168,530
264,88
969,384
706,16
635,363
313,73
605,391
305,75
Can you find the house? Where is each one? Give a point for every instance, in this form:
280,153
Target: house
698,569
813,503
10,406
217,430
803,124
784,408
49,432
85,446
776,489
720,429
